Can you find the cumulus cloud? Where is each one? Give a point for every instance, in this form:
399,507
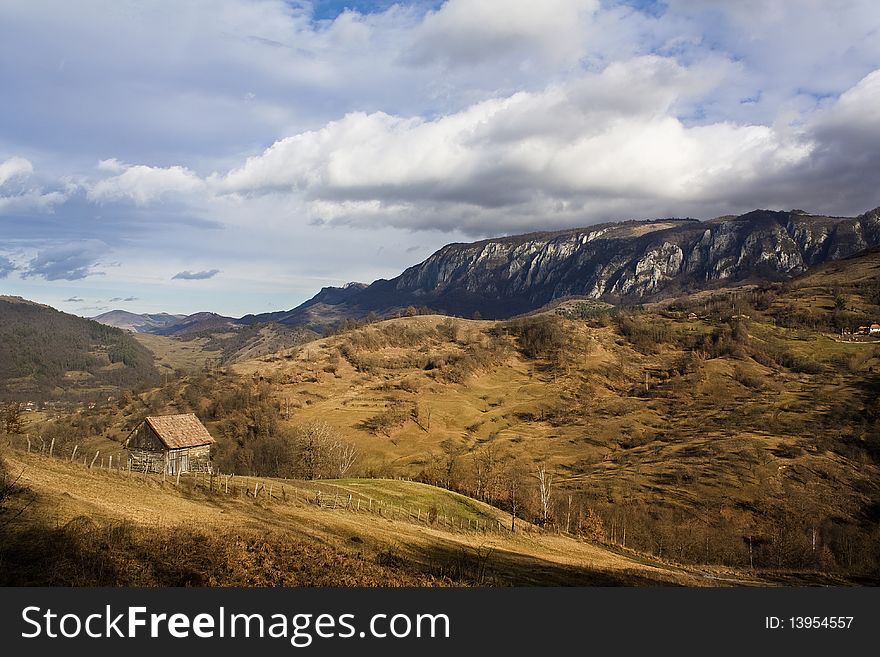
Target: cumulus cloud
143,184
16,191
613,137
15,167
473,117
195,275
70,262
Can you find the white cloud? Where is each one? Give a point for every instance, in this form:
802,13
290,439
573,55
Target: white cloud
18,194
564,151
15,168
111,165
144,184
478,116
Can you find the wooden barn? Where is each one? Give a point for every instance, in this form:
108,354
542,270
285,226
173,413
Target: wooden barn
170,443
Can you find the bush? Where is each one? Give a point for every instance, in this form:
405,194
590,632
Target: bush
385,421
538,337
644,334
748,379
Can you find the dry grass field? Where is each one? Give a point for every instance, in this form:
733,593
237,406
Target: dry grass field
71,525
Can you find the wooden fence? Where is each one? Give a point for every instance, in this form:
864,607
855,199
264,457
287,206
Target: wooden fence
270,492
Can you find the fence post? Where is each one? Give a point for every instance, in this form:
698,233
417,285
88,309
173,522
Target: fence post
110,462
94,459
29,443
52,446
177,483
271,486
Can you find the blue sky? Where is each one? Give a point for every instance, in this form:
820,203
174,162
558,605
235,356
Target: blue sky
238,155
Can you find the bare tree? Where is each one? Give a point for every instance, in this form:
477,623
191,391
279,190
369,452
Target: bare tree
545,489
486,471
313,443
449,462
343,456
421,415
516,489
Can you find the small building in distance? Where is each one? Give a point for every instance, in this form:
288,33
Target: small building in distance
874,329
170,444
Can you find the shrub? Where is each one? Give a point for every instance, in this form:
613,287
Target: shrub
538,337
748,379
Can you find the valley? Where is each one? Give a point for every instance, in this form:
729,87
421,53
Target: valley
733,430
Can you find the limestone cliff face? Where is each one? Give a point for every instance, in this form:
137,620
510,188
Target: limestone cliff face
637,261
629,262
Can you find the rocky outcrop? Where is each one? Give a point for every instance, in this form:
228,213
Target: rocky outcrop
625,262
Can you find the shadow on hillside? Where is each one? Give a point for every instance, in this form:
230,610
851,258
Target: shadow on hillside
87,552
483,566
860,415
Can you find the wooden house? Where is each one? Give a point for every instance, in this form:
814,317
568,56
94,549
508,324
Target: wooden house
171,444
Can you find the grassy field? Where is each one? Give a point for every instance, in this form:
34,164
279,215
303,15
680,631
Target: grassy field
68,524
172,354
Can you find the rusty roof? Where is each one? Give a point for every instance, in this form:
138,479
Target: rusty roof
179,431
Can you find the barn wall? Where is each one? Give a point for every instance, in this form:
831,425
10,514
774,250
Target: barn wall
189,459
200,459
146,439
144,460
148,454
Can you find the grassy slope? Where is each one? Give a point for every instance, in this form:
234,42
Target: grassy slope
111,528
750,442
172,354
709,430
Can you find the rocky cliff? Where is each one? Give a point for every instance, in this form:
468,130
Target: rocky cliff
627,262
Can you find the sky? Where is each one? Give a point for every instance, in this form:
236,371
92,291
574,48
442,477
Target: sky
238,155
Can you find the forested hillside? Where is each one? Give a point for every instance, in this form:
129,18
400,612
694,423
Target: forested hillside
45,353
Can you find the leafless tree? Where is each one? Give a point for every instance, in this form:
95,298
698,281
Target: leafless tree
545,489
449,462
486,471
516,491
343,456
313,443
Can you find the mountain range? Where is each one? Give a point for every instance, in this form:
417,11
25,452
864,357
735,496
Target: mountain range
164,323
627,262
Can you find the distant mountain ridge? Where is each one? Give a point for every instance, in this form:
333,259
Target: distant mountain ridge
138,323
623,262
165,324
627,262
